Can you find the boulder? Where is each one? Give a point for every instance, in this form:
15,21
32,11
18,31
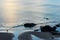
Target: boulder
29,24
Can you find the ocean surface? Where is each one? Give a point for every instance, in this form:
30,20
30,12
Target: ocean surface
18,12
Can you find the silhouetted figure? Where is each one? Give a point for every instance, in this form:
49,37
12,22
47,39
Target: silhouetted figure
48,28
7,30
29,24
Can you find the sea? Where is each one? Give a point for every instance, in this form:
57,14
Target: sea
18,12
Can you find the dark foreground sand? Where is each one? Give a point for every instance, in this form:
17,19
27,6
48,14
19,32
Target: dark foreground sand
41,35
6,36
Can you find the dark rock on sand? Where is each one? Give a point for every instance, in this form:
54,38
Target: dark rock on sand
29,24
48,28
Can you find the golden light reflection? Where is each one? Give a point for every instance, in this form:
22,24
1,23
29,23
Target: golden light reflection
10,7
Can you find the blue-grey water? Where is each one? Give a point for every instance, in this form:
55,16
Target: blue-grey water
17,12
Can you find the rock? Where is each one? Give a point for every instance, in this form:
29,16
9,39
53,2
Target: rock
48,28
29,24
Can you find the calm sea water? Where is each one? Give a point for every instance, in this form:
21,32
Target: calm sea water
20,11
17,12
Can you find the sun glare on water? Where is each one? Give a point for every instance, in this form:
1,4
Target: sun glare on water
10,7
